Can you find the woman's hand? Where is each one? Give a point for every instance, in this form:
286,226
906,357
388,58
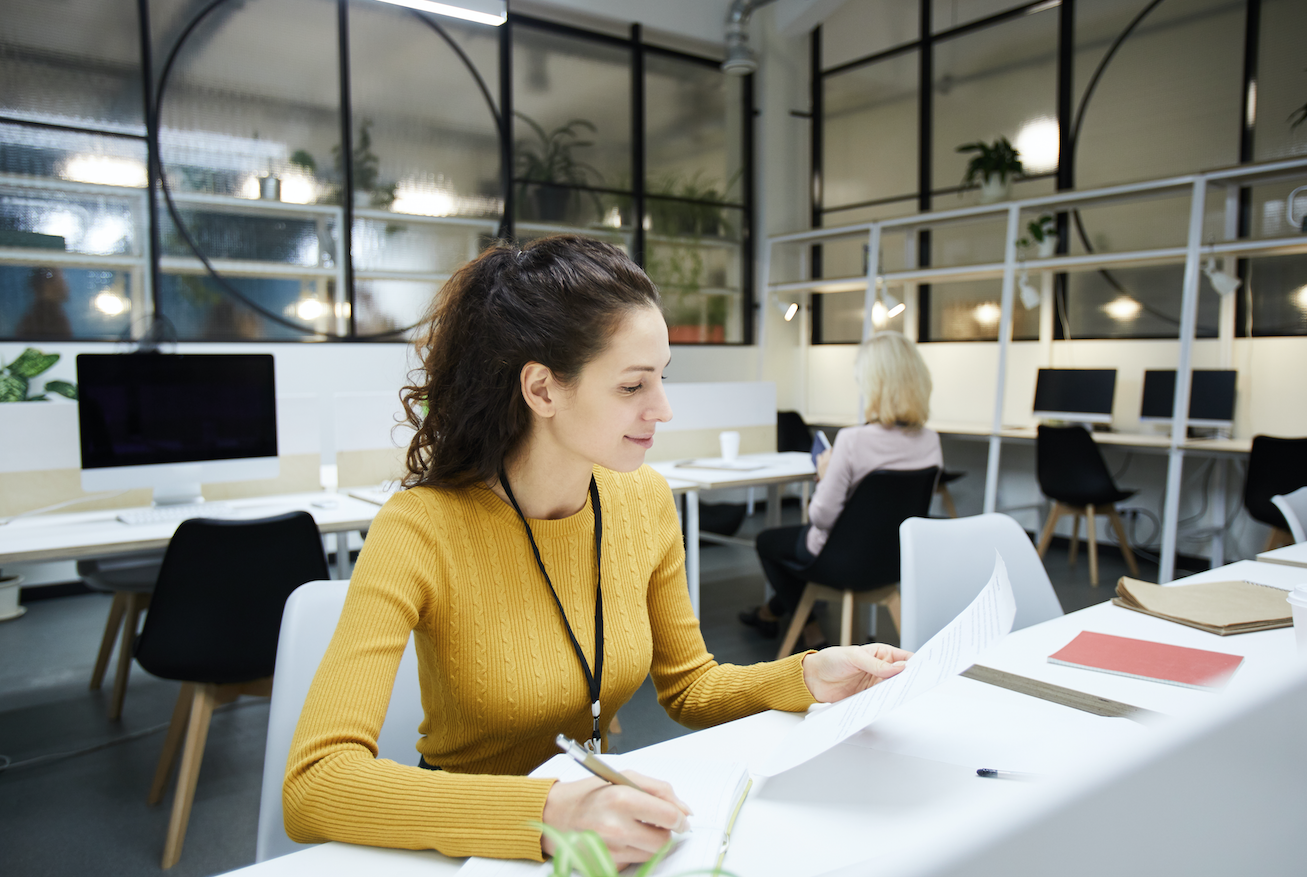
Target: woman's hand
633,824
823,462
835,673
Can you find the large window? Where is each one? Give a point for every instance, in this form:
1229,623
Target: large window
1092,94
324,166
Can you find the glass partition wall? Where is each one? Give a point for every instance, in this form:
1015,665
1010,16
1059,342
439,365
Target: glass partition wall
322,167
1092,94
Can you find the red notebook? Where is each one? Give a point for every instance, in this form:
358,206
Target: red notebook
1143,659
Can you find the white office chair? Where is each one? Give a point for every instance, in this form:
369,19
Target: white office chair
307,624
945,564
1294,508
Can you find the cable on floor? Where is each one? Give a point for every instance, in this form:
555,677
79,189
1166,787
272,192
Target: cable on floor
9,764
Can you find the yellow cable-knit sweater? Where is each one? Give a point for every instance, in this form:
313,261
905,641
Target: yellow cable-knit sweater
499,676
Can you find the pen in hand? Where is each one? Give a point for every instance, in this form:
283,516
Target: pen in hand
596,766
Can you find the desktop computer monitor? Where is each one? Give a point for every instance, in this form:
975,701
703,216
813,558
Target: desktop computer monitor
173,421
1076,394
1211,397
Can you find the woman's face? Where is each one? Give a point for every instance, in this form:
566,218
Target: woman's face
608,415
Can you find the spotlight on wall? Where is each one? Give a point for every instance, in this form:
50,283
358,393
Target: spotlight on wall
491,12
896,310
1029,295
787,309
1223,283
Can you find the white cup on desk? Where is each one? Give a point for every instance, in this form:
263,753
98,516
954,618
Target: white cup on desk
1298,600
731,446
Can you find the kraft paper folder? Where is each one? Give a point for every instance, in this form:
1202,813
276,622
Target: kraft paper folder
1223,608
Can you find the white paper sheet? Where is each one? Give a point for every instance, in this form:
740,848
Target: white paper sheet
949,652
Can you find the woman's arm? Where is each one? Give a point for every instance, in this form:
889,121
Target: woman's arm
336,788
835,484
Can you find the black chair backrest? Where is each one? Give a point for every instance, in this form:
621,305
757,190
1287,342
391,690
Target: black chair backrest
862,551
1275,465
792,434
216,610
1070,467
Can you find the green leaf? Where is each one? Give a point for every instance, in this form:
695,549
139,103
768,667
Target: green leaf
13,389
31,362
63,388
593,852
647,867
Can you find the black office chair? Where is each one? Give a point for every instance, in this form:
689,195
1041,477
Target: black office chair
1072,473
131,580
213,624
1275,466
860,561
792,433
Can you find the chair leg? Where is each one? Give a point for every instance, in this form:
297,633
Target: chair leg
1047,536
946,499
181,713
1125,543
894,605
846,619
1091,542
131,623
197,733
1277,538
1075,538
799,621
111,626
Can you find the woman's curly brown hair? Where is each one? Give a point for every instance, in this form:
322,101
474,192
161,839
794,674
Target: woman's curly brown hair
556,301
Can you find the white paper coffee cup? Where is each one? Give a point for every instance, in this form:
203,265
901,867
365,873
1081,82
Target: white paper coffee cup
731,448
1298,600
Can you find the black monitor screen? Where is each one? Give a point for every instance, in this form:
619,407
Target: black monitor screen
1075,390
1211,396
148,408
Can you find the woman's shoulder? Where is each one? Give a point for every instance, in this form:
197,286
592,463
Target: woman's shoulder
643,483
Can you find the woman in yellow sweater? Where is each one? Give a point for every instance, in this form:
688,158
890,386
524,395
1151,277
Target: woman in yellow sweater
540,570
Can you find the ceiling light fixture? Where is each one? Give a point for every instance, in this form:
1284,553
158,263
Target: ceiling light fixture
491,12
1123,308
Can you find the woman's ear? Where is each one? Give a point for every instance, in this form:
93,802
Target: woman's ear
539,389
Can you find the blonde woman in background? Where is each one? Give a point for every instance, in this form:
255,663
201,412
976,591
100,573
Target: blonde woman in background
896,385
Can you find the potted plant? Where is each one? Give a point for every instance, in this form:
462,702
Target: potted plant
16,378
548,162
10,589
993,166
1042,235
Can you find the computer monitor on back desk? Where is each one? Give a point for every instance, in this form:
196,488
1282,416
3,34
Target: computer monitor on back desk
1211,397
174,421
1082,395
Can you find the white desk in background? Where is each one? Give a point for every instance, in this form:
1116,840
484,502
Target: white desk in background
774,470
99,534
884,792
1289,555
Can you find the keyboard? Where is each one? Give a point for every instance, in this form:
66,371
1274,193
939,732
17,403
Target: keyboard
167,514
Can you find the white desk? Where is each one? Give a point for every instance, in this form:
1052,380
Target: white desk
83,535
774,470
1289,555
885,791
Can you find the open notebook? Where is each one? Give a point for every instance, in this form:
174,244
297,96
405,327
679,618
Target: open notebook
713,789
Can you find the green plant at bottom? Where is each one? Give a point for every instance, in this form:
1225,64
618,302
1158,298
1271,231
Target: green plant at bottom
585,853
16,377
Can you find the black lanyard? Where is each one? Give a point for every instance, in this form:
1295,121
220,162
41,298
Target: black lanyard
595,679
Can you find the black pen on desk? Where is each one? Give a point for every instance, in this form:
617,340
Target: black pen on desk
597,766
991,773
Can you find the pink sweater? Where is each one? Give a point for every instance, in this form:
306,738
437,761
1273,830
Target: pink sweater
858,451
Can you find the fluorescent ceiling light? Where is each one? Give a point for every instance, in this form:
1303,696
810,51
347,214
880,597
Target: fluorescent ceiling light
491,12
896,310
791,311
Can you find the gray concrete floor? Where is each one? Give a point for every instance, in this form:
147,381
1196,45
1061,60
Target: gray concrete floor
86,814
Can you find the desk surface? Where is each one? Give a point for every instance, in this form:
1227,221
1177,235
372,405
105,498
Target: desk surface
776,468
884,791
100,534
1289,555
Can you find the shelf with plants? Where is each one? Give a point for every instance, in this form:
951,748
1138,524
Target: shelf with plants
1198,255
